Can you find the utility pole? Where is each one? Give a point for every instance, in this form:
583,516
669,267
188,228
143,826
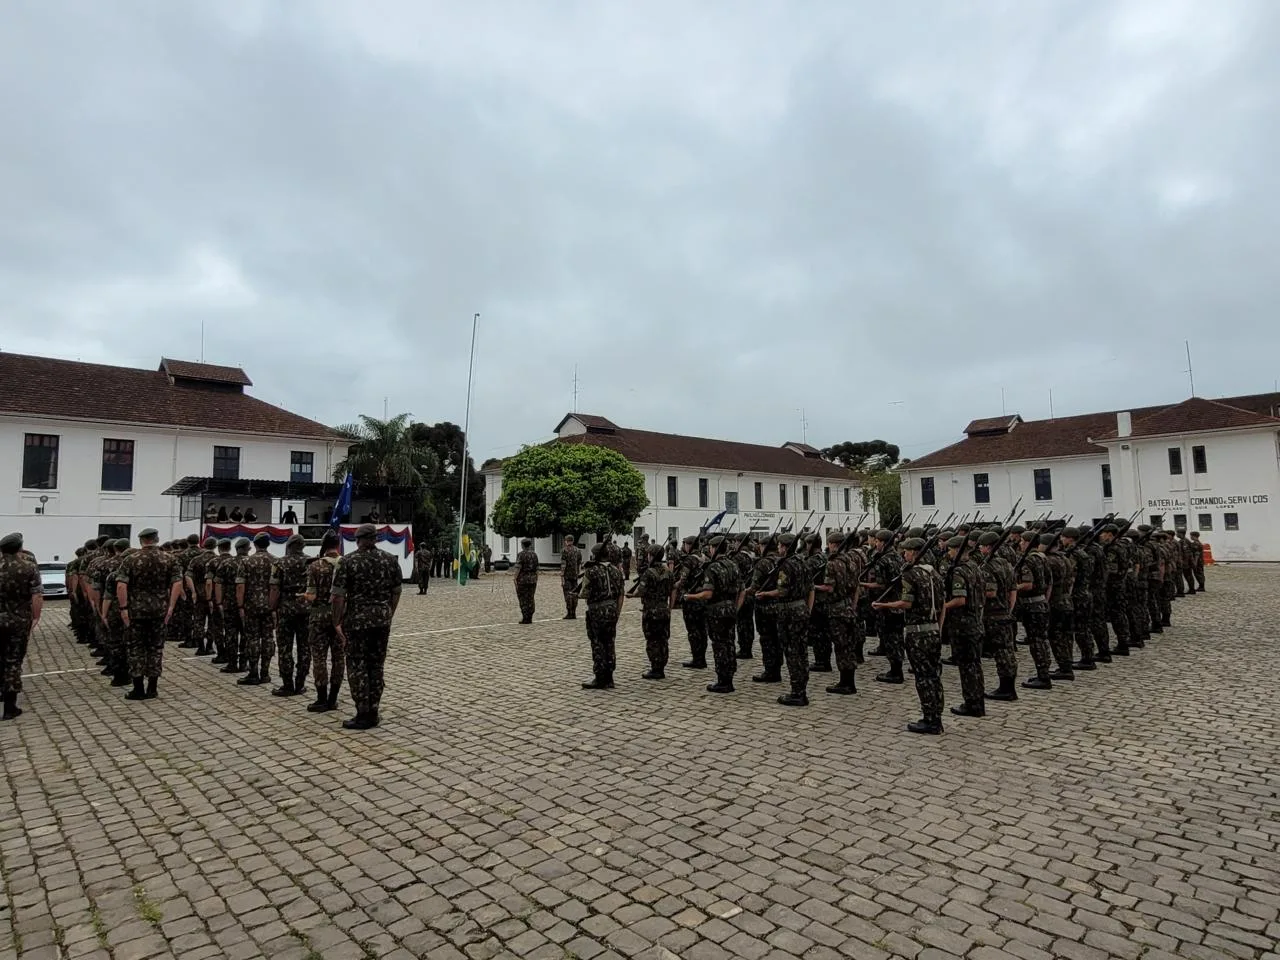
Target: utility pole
1190,373
575,388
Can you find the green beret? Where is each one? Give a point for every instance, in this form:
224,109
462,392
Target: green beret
242,545
835,536
209,543
690,539
989,539
787,540
884,534
1029,534
597,551
956,542
716,542
1046,538
915,533
262,538
224,544
1144,528
1070,533
296,540
1109,528
366,530
913,543
148,534
12,543
91,544
123,543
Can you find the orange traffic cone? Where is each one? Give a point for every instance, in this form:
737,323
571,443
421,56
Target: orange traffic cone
1208,554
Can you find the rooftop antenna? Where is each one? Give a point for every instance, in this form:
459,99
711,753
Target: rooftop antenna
1190,373
202,341
1051,403
384,407
575,388
1003,409
804,427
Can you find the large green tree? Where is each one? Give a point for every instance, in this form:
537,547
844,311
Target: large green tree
445,440
872,464
570,488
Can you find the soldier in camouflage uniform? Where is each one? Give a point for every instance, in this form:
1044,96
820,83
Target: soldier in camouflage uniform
72,575
688,578
1034,585
1117,602
837,595
366,592
1135,590
744,557
526,579
253,599
965,600
766,613
324,639
570,572
1172,571
288,584
1061,606
21,602
601,587
1081,597
148,585
1098,600
720,594
180,630
421,568
921,603
1196,552
794,595
653,586
233,638
819,622
213,596
881,575
1000,588
197,571
1150,577
112,625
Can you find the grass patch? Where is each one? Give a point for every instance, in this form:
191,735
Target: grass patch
304,940
369,952
147,910
99,925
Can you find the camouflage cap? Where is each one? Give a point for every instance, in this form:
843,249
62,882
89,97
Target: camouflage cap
913,543
989,539
956,542
261,538
242,545
1017,529
1029,534
1070,533
366,530
1144,528
11,543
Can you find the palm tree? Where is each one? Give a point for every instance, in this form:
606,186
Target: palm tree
384,452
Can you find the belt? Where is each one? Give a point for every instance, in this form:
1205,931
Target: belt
920,628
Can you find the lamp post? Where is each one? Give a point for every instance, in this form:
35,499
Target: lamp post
466,439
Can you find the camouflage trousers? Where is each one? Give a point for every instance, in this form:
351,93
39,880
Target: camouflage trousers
846,639
1036,623
602,632
746,627
1198,570
1163,592
215,630
326,645
291,636
966,650
656,625
722,625
695,628
924,650
524,596
570,600
77,618
1139,624
178,630
13,650
793,635
770,647
1062,636
232,635
145,638
366,657
889,627
820,635
999,639
259,640
1083,628
116,643
1098,621
199,622
1155,591
1118,613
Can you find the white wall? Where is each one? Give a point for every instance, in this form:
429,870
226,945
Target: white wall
1242,479
1076,484
688,515
161,456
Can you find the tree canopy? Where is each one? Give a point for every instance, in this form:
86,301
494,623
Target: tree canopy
385,452
872,463
570,488
864,455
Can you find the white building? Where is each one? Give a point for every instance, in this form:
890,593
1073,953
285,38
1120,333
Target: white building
1206,465
690,479
90,449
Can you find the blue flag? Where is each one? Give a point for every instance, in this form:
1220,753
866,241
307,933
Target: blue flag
715,521
342,506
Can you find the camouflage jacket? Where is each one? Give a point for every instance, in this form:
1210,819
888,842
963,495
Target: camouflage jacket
842,576
149,575
320,588
1062,574
19,582
721,576
526,567
1035,571
654,588
793,580
597,583
197,570
289,577
997,574
254,572
571,565
369,579
922,588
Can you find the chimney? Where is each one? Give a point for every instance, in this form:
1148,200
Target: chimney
1124,424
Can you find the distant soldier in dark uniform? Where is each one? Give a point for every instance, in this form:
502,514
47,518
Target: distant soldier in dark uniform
526,579
881,575
422,561
366,592
1062,574
720,593
653,586
253,600
325,642
1197,564
998,626
288,584
815,561
196,572
921,602
688,579
232,619
602,589
21,602
838,593
626,561
148,585
1117,608
792,590
766,613
570,571
213,594
113,627
1081,597
72,575
964,602
1034,585
744,557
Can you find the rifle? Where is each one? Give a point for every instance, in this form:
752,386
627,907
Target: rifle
1004,538
1053,543
932,516
914,563
1009,518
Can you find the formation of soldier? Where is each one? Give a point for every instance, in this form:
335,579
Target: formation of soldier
327,615
915,589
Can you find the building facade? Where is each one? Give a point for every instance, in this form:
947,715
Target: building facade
691,479
90,449
1211,466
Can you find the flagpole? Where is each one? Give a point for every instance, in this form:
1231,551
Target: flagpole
466,439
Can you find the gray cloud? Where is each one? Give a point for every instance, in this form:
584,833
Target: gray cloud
721,213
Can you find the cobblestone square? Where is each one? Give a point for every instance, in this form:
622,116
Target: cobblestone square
502,811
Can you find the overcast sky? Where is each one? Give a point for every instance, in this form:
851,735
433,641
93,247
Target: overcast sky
722,213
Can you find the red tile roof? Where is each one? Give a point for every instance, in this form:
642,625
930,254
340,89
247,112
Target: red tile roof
1191,416
44,387
588,420
212,373
1001,424
1071,436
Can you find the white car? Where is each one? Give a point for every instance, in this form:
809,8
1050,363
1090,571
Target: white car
53,580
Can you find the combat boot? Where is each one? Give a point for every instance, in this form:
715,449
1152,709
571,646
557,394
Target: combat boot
138,692
698,663
1084,665
926,725
233,666
744,653
1005,691
654,673
767,677
250,679
332,702
299,681
11,709
796,698
361,721
286,689
965,710
845,686
892,675
321,704
598,682
1062,675
121,679
723,684
152,684
820,666
1121,650
1038,683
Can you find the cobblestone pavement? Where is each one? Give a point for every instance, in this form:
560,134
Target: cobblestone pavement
502,811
